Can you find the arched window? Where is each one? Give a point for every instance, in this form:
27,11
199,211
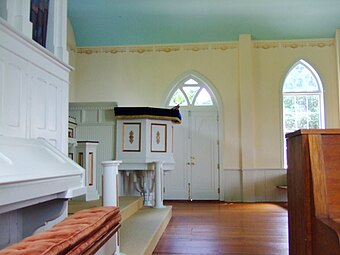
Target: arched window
191,91
302,99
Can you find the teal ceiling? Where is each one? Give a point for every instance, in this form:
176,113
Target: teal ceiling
136,22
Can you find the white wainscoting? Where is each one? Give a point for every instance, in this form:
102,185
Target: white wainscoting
95,122
254,185
33,90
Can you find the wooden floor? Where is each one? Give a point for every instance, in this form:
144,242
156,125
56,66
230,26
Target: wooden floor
225,228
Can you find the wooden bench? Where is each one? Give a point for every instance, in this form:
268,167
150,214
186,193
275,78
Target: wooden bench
81,233
314,192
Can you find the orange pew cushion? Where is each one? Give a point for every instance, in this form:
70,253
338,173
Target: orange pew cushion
74,235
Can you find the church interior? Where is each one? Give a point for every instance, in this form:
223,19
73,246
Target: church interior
119,117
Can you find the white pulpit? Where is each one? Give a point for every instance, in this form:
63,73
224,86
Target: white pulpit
145,147
87,157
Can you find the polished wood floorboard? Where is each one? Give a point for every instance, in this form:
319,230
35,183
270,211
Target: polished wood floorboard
225,228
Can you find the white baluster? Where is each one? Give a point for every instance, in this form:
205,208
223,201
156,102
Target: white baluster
159,185
110,189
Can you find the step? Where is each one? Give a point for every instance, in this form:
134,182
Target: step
142,227
77,205
129,205
141,232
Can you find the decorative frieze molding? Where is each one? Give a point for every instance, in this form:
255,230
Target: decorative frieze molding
197,47
223,46
156,48
142,49
321,44
266,45
168,49
293,44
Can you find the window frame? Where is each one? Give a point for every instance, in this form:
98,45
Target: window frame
192,103
319,93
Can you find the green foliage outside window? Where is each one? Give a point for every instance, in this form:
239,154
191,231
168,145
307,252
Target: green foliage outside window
301,99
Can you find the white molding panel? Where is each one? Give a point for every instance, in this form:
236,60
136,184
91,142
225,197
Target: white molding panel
33,90
95,122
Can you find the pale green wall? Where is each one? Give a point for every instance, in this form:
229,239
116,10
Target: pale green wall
248,78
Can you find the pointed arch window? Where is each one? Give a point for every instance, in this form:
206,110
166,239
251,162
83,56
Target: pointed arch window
302,99
191,92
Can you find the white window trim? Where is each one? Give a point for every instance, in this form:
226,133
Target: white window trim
319,93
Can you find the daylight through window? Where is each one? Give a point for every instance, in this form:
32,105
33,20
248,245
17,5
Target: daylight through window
302,99
191,92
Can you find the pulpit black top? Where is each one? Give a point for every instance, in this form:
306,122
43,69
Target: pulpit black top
148,113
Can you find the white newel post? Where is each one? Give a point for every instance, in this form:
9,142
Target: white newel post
159,185
110,189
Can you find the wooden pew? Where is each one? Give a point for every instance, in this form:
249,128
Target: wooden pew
314,192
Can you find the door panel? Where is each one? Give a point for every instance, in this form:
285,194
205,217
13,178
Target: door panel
196,154
176,181
204,151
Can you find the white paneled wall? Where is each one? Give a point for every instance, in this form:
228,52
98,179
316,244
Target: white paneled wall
254,185
46,100
33,104
12,94
33,90
95,122
104,135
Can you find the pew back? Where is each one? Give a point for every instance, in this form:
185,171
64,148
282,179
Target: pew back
313,191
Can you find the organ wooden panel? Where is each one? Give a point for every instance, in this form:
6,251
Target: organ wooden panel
314,191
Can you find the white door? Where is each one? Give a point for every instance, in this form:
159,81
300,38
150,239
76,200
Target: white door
196,174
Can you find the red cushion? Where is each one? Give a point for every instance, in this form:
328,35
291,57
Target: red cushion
76,232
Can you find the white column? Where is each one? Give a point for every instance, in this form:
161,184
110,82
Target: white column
159,185
246,84
110,182
110,189
18,15
56,41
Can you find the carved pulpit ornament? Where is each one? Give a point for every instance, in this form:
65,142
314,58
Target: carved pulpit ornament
131,137
158,137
